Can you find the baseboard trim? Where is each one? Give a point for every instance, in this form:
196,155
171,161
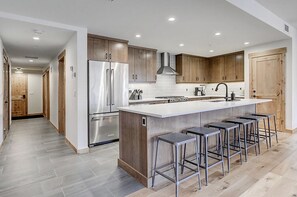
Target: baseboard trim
79,151
291,131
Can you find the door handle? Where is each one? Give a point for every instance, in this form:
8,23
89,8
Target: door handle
112,85
6,102
107,76
24,96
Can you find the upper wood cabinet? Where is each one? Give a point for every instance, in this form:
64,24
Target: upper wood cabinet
184,64
107,49
223,68
142,64
227,68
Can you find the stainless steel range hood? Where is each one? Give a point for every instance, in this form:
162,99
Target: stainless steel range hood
165,68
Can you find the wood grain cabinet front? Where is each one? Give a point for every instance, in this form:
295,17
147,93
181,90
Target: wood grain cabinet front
142,64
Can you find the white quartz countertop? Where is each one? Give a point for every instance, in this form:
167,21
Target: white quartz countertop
184,108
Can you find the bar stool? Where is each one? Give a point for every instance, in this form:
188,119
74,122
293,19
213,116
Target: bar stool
176,140
271,134
258,119
247,126
205,133
227,127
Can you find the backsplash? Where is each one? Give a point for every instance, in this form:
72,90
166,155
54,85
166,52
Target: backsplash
166,86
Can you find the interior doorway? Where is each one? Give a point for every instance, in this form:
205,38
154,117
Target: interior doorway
6,94
61,93
19,94
46,95
267,81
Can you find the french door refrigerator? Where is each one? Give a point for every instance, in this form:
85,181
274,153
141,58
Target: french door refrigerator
108,90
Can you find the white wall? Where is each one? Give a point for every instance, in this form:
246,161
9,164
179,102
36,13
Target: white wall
1,92
35,93
76,98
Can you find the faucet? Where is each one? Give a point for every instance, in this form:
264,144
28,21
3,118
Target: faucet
226,89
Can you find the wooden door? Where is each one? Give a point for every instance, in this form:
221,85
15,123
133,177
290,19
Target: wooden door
151,65
100,49
217,69
46,95
239,67
131,64
118,51
194,69
229,68
6,105
203,70
61,96
186,69
19,94
267,82
139,65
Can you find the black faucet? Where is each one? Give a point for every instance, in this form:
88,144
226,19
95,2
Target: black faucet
226,89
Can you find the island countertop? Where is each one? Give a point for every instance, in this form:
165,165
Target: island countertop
184,108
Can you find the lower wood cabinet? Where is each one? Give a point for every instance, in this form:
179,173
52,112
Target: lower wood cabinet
142,64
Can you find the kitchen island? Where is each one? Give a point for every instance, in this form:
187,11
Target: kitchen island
140,124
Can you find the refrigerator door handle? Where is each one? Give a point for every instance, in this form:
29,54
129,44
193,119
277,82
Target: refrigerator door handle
112,87
107,88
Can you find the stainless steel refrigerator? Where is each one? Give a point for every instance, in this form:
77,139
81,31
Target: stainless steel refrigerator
108,90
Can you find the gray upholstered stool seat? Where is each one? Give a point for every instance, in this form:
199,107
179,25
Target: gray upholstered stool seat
274,133
247,127
176,140
235,147
205,133
258,119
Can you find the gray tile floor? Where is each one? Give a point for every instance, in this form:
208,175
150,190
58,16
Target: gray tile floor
35,161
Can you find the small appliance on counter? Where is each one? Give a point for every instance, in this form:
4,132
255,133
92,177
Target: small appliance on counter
136,95
200,91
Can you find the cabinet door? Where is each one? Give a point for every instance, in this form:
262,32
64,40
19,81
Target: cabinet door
118,51
239,67
139,65
203,70
217,69
229,68
100,49
131,64
90,48
194,69
151,65
186,69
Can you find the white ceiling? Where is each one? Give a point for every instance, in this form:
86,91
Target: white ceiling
195,25
285,9
18,41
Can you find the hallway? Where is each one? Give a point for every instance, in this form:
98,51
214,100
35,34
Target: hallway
35,161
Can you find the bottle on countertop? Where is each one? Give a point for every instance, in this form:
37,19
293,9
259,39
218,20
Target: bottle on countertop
232,96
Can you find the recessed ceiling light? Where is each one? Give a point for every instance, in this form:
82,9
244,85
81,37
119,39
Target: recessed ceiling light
31,60
171,19
211,51
218,34
36,38
246,43
137,35
181,45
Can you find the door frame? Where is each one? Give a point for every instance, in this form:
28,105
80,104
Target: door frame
282,52
62,57
46,74
6,61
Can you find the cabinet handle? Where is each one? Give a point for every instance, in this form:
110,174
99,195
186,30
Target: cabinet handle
183,78
132,76
135,76
236,77
204,79
198,78
225,78
110,56
106,57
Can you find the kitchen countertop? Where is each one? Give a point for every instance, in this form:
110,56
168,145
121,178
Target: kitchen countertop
190,97
184,108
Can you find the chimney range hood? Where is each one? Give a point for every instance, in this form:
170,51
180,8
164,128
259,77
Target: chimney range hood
165,68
